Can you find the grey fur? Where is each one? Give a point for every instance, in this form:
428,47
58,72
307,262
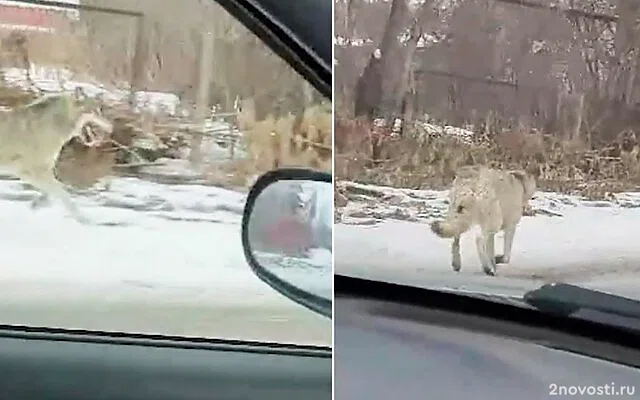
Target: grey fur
492,199
32,136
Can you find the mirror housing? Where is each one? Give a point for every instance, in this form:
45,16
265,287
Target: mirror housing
287,232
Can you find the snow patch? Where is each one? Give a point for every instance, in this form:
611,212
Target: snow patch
59,80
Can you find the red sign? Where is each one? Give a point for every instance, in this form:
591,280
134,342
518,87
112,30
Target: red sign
29,18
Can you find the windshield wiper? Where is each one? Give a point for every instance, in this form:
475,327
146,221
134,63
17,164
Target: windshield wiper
568,300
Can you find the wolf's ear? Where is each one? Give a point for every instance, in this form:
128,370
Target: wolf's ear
527,181
522,176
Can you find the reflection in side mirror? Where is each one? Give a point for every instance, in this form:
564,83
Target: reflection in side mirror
287,230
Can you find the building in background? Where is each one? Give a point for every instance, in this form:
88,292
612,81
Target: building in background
18,15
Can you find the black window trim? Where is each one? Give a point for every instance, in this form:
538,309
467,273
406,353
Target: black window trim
299,31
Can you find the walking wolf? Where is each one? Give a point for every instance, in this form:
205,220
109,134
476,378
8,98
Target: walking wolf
32,136
492,199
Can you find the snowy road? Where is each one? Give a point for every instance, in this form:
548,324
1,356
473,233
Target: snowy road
386,235
160,259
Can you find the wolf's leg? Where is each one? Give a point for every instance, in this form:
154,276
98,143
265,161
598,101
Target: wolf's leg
455,254
509,233
107,184
40,201
52,188
486,255
70,205
491,246
482,253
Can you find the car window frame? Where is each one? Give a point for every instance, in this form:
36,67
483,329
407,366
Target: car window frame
277,27
294,30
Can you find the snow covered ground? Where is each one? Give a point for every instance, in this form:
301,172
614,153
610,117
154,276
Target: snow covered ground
159,259
384,233
57,80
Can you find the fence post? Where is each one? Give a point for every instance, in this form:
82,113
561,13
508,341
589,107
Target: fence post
202,102
232,147
139,63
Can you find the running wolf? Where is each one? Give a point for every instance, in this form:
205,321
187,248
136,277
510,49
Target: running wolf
32,136
492,199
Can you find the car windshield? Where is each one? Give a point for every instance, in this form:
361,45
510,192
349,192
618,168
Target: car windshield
488,145
131,132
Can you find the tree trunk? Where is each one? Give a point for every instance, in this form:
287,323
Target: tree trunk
377,89
368,91
382,87
350,20
202,104
626,42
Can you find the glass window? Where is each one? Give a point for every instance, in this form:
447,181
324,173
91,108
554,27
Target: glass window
131,132
493,138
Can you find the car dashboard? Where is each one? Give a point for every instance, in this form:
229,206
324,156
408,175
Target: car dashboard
388,350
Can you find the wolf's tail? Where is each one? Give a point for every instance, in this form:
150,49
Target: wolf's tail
450,227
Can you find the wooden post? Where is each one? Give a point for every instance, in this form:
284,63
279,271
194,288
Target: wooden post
139,63
235,125
631,80
232,148
202,102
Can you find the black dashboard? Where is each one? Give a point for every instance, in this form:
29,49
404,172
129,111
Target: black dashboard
386,350
43,364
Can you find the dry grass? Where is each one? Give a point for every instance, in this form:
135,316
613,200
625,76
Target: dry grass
273,142
291,140
82,167
416,161
302,141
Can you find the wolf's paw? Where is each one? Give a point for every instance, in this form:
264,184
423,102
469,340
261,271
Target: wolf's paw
436,227
489,270
456,266
39,202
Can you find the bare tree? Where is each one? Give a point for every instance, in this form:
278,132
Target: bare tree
627,40
382,87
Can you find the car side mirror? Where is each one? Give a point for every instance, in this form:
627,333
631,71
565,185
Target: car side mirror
287,230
